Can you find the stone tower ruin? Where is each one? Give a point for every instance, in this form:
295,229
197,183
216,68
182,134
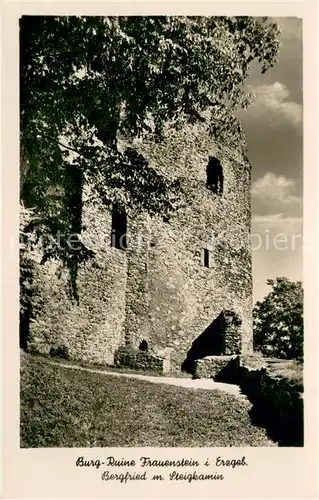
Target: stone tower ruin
179,289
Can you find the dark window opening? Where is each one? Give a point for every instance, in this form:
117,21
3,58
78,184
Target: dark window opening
215,176
143,346
118,237
206,257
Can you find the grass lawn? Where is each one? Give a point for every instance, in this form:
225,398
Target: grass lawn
61,407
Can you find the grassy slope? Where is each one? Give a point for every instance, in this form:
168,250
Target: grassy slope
71,408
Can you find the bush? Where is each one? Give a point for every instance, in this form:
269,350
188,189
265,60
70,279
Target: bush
60,352
126,356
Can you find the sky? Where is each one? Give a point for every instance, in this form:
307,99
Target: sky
273,126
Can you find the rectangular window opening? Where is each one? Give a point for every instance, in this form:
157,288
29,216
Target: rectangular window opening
206,257
118,236
215,176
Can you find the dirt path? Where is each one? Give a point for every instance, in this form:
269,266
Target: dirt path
207,384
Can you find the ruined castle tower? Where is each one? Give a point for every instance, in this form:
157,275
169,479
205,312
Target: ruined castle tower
179,288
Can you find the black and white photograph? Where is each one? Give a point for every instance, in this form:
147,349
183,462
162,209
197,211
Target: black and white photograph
161,231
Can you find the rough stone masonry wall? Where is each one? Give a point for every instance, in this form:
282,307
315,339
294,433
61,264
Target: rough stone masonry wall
171,297
211,366
134,359
92,329
158,290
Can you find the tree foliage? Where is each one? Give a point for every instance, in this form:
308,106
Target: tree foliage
278,320
85,80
